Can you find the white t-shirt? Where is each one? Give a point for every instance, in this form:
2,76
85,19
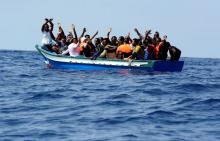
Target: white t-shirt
46,40
72,50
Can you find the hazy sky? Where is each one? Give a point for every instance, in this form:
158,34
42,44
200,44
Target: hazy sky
191,25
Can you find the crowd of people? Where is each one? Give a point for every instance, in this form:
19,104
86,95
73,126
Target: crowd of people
123,47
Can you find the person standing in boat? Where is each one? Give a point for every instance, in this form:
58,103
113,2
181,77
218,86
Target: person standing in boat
163,49
48,36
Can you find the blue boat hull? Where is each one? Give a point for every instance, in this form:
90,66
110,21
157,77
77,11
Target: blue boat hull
160,66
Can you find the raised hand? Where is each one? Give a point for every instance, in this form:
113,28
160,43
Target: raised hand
72,26
110,29
136,30
165,37
84,29
148,32
129,34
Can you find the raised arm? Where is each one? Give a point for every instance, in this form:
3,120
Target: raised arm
51,24
60,28
108,34
42,28
74,31
84,31
138,33
94,35
128,35
51,29
147,33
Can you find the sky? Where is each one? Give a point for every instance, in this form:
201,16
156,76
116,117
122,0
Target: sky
193,26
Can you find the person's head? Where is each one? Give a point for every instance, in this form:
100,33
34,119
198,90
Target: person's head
105,41
87,36
121,40
74,40
127,40
69,37
60,30
46,27
156,34
101,39
114,40
97,41
135,41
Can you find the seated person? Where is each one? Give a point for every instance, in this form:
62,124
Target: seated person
99,48
109,50
72,48
163,50
138,51
87,48
149,50
175,53
124,50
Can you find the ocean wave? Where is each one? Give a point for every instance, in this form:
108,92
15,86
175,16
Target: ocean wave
37,103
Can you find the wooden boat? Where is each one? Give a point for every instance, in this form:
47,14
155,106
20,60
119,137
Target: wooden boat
58,61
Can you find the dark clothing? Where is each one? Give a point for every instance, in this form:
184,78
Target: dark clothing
98,50
48,48
88,50
163,51
175,53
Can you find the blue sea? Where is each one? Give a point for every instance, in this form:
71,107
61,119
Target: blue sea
41,104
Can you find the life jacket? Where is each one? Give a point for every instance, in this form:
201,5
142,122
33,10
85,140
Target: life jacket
138,53
125,48
157,49
81,47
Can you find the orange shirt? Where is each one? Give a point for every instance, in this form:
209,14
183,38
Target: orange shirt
125,48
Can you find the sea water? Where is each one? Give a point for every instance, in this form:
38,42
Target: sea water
37,103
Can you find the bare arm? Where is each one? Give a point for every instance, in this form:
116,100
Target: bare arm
94,35
42,28
138,33
74,31
84,31
51,29
147,33
51,24
60,28
108,34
